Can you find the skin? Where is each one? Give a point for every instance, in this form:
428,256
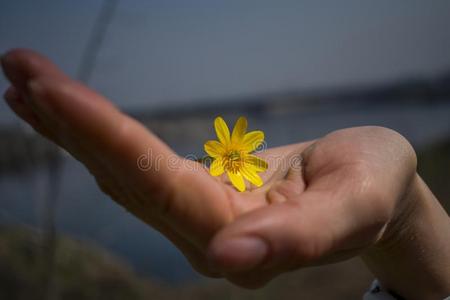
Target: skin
352,192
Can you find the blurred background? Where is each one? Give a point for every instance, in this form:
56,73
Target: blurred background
296,69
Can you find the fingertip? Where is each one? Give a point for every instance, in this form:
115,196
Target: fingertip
20,54
12,56
21,65
13,63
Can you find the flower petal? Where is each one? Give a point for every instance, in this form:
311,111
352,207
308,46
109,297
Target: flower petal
239,130
216,168
258,164
214,148
237,180
222,131
253,140
250,175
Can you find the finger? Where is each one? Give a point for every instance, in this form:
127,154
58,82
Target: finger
89,127
278,235
79,113
22,65
131,156
112,144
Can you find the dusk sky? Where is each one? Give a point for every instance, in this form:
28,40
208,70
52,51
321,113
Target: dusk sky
168,53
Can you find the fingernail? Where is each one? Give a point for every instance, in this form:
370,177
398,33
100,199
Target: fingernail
238,254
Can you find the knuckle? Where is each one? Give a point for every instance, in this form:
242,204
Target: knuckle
398,143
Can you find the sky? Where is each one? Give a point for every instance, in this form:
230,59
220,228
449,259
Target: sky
167,53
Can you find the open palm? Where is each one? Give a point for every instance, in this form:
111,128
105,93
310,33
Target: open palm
321,201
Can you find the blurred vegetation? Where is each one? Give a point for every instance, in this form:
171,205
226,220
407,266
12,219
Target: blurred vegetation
81,271
84,271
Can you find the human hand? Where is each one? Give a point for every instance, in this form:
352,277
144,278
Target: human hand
345,197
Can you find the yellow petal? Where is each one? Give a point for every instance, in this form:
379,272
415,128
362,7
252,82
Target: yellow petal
216,168
222,131
237,180
239,130
251,176
258,164
253,140
214,148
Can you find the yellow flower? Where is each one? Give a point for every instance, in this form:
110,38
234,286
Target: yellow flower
232,154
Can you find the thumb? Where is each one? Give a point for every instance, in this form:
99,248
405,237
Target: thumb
281,236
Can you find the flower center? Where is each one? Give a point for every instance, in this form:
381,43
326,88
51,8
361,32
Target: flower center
233,161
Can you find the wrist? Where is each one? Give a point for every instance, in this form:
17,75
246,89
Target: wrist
412,258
